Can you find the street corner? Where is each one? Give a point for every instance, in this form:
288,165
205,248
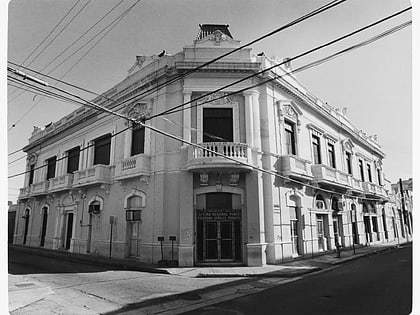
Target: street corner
23,292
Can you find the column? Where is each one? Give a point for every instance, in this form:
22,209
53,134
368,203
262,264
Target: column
82,155
112,149
187,117
249,124
256,119
256,245
186,220
127,141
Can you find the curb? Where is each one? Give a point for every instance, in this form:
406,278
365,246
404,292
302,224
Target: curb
273,274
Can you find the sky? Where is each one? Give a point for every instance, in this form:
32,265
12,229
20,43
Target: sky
374,83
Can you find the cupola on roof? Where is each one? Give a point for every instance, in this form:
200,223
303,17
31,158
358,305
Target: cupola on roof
207,29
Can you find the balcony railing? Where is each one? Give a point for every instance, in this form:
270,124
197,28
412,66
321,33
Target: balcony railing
40,188
24,192
330,176
133,166
61,182
97,174
373,189
294,166
207,157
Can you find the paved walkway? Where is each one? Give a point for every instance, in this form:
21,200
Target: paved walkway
250,280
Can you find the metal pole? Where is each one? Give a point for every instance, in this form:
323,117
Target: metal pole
403,209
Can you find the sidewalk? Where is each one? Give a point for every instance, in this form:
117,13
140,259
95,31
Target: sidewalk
27,295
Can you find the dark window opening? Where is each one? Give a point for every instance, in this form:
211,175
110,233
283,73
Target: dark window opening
51,167
217,125
316,147
362,175
102,150
331,154
290,137
348,163
369,171
31,174
73,160
379,177
137,141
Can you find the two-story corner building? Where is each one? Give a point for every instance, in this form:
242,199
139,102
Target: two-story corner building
88,177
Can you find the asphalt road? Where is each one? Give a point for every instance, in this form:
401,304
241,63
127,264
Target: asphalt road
378,284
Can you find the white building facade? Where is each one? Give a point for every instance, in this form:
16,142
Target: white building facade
93,187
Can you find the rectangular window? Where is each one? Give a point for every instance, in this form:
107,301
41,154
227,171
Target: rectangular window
51,162
217,125
331,154
362,175
73,160
31,174
289,131
379,177
369,172
137,140
316,148
102,150
348,163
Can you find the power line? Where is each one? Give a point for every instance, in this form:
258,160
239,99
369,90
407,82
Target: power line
59,33
298,56
399,27
112,25
168,111
290,24
298,20
45,38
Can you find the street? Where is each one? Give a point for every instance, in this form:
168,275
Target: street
47,285
377,284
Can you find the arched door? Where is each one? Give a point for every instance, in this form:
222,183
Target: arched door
44,226
26,224
134,226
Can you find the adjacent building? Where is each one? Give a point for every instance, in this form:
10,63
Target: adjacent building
93,186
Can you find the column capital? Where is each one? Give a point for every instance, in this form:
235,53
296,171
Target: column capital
251,92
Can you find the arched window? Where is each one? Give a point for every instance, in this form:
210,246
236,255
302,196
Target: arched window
134,205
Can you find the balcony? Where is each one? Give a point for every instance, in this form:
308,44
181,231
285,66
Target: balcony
132,167
24,192
200,159
61,182
373,190
95,175
40,188
356,186
295,167
331,177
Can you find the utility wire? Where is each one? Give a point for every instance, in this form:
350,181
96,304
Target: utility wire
290,24
112,25
141,123
168,111
298,20
345,36
45,38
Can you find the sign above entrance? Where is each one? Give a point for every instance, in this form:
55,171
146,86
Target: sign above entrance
218,214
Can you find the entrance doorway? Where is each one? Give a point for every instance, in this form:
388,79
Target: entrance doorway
218,230
25,232
321,232
44,226
68,229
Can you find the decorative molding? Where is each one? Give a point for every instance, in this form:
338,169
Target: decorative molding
204,179
347,145
216,99
32,159
234,179
315,129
